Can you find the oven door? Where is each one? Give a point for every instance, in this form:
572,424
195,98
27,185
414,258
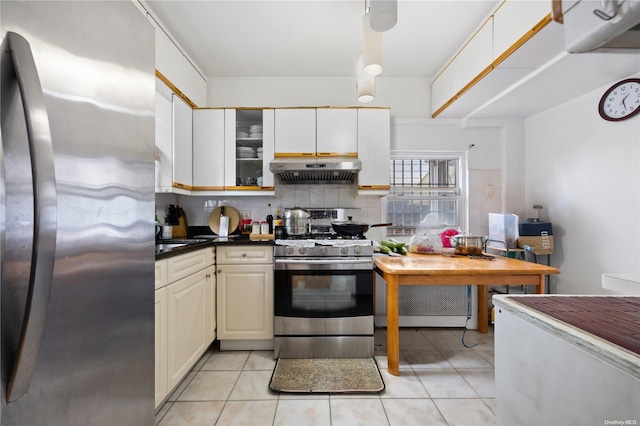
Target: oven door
323,288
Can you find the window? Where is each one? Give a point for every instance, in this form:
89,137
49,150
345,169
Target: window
424,183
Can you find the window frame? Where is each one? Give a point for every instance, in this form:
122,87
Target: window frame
462,179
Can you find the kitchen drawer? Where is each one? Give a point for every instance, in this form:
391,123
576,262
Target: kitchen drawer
245,254
161,274
184,265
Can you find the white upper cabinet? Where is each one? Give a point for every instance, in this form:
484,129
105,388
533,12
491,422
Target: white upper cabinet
470,62
476,56
479,70
295,132
249,147
513,20
164,138
268,147
337,132
176,68
208,150
374,145
182,144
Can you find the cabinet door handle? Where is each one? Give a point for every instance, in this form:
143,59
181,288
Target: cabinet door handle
219,271
244,254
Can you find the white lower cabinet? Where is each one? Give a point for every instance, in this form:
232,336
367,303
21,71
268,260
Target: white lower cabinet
211,304
161,389
187,324
184,324
245,293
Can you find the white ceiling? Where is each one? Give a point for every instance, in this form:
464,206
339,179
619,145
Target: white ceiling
246,38
315,37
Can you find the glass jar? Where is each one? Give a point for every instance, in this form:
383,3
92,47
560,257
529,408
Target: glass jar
255,228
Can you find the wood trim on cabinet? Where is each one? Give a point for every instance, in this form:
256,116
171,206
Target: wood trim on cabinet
556,11
515,46
375,187
249,188
175,89
468,86
337,154
208,188
522,40
294,154
182,186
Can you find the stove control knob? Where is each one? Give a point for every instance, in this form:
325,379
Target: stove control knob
288,250
344,250
302,250
356,250
323,250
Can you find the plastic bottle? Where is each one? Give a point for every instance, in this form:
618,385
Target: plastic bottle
278,221
269,221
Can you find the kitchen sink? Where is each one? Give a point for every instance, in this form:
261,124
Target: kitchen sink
169,246
165,246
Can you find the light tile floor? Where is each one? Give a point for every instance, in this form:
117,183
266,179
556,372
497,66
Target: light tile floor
441,382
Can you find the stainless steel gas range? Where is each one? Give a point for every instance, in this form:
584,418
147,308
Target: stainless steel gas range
323,296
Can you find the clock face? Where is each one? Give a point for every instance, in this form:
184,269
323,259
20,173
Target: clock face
621,101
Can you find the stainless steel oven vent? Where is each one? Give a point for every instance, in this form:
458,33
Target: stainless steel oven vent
316,170
316,177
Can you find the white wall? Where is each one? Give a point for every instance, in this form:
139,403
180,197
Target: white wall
484,147
586,173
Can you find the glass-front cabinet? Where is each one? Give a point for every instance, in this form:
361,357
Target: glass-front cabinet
249,147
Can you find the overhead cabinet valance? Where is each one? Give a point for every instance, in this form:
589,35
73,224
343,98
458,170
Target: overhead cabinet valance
487,63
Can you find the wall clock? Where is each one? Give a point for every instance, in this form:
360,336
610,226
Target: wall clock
621,101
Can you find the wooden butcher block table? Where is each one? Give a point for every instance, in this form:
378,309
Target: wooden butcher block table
421,269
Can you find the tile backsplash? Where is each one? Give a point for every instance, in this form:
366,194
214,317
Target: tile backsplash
198,208
484,198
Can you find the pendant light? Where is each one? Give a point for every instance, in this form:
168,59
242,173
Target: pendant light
371,47
384,14
365,84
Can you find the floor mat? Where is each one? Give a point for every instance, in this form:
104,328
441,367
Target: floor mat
326,375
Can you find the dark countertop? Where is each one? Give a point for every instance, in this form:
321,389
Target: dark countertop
208,241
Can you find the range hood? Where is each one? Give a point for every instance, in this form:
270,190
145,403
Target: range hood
609,26
315,170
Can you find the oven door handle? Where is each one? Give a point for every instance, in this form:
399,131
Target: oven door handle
306,263
322,261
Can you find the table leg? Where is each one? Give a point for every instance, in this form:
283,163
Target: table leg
541,285
483,309
393,330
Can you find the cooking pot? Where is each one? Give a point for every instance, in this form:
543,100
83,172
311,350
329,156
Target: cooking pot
468,244
296,221
350,228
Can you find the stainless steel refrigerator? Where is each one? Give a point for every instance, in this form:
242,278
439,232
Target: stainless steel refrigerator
77,211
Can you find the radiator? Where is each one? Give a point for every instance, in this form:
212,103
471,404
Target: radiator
429,306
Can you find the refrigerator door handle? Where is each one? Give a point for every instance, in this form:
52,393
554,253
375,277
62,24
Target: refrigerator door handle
45,215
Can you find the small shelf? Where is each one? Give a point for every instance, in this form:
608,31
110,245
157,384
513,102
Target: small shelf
249,159
250,143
